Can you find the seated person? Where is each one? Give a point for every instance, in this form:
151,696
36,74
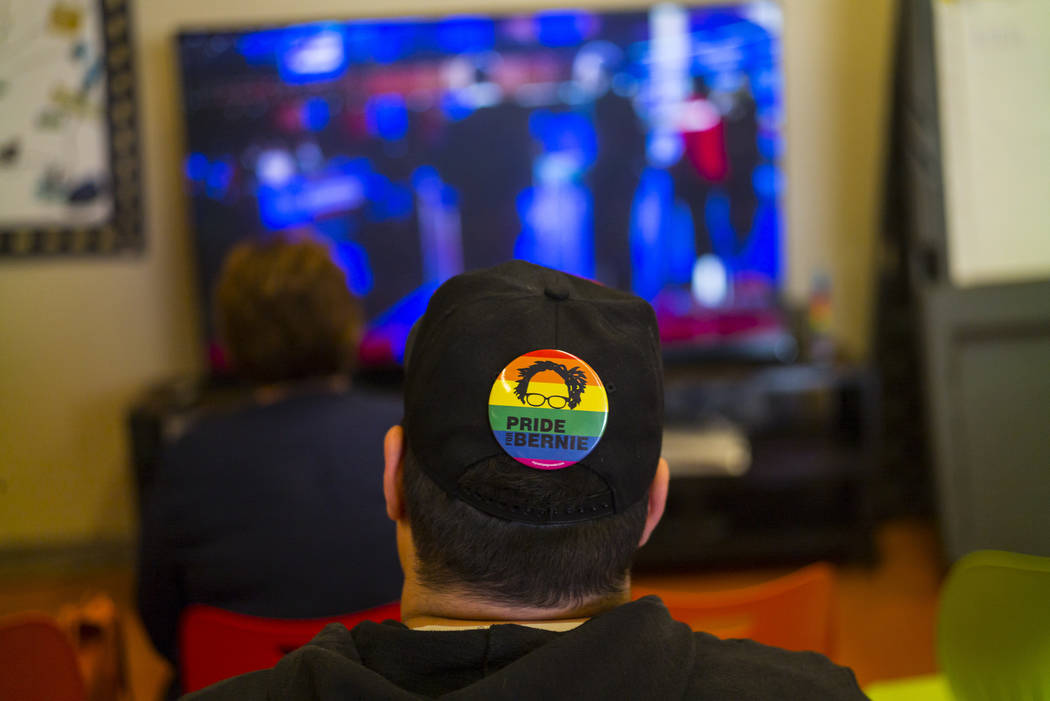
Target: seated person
273,507
526,475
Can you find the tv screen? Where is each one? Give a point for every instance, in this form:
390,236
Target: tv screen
638,149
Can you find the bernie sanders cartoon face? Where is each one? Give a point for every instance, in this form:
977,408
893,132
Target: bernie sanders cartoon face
575,384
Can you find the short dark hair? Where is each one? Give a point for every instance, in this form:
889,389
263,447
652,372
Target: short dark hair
285,312
463,549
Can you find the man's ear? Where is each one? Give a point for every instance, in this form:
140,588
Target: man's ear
657,500
393,451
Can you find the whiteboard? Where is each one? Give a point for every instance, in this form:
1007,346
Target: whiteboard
993,66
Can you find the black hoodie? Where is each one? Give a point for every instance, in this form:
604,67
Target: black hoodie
635,651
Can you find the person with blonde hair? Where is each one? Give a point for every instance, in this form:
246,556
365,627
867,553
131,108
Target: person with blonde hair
270,506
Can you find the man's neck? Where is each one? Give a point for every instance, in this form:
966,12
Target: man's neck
421,607
440,623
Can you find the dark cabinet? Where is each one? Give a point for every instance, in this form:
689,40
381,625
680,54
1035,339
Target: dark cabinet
768,465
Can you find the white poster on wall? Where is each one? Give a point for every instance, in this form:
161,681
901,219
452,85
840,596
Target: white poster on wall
54,158
993,64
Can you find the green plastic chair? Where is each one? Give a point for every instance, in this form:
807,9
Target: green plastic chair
993,634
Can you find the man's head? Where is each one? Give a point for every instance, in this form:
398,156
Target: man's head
284,310
529,470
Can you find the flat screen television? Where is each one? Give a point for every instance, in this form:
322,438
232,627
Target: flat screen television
639,149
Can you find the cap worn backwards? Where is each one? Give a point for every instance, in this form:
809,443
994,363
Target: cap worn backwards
550,371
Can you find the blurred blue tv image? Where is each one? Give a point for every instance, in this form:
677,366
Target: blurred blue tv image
638,149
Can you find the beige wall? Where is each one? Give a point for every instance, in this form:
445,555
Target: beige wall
838,60
78,339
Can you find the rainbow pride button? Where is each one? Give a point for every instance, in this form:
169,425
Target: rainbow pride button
548,409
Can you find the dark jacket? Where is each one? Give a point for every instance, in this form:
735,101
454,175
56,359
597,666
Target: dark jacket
635,651
271,510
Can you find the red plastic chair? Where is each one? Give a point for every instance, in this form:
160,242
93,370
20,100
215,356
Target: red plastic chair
794,612
37,660
215,644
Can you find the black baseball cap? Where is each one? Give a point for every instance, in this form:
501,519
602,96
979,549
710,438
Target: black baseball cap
480,323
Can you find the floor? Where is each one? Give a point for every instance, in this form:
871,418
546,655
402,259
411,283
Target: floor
885,614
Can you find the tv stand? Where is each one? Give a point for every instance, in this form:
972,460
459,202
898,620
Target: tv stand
769,465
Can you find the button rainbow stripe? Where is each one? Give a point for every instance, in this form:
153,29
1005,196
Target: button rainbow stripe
548,409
